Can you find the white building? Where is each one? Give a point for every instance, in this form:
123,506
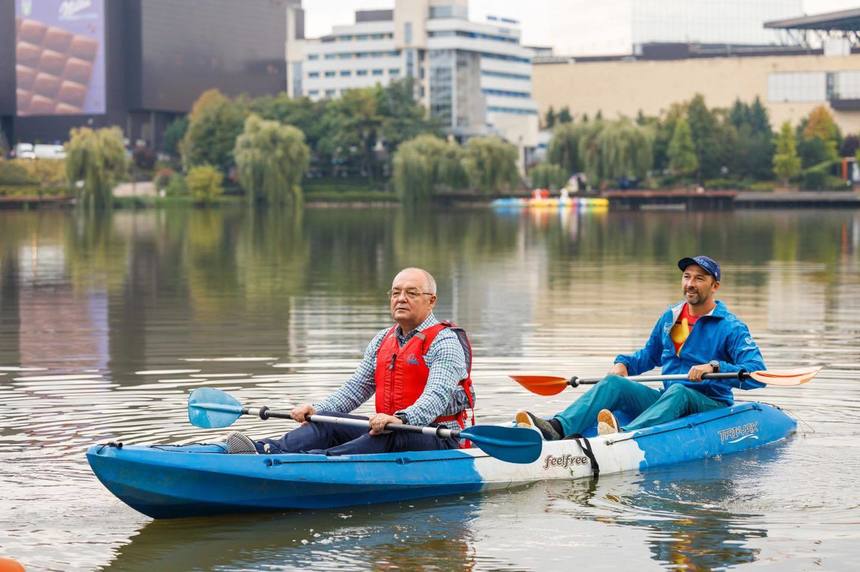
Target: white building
622,27
475,77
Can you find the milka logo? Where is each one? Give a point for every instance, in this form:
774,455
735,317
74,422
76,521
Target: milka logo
564,461
739,433
69,8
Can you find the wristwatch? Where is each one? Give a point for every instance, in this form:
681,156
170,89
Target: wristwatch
715,364
402,416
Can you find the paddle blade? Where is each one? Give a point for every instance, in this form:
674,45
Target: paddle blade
511,444
785,378
209,407
541,384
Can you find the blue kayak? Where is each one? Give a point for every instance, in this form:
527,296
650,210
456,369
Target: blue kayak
167,481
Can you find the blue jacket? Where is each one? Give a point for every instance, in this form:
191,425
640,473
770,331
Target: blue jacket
719,335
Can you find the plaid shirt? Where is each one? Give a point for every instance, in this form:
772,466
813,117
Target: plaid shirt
442,395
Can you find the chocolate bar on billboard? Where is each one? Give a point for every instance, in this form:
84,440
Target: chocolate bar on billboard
27,54
47,85
52,62
84,48
72,93
40,105
25,76
31,31
57,39
66,109
23,97
78,70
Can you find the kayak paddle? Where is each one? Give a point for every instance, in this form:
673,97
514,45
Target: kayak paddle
209,407
550,385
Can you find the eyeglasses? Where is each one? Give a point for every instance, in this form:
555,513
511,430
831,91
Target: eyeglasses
411,293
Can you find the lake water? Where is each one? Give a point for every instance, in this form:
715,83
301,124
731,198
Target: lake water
107,323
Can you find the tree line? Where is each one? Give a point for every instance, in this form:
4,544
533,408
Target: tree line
266,147
694,144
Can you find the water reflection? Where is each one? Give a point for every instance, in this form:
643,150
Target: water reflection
419,536
103,298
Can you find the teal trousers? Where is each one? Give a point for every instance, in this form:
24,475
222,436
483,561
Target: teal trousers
646,406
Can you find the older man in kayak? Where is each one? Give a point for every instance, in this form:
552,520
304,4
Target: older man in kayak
419,371
697,336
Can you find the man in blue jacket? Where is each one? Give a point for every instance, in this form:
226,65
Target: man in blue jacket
697,336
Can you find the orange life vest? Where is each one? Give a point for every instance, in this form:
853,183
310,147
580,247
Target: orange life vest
401,373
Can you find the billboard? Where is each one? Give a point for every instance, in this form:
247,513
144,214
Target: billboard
60,57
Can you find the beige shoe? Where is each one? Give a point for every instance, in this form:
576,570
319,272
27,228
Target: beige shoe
606,423
531,421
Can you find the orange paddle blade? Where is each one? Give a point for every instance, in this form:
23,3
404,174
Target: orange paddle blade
541,384
785,378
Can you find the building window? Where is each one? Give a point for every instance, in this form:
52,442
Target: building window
313,74
329,74
330,56
407,33
797,87
505,75
394,71
512,110
313,57
361,72
377,72
505,93
314,92
330,92
345,73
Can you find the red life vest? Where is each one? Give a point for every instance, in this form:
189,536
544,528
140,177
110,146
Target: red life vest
401,373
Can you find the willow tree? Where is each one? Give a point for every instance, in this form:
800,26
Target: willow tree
97,159
271,159
548,176
786,161
626,151
491,165
682,152
426,165
563,149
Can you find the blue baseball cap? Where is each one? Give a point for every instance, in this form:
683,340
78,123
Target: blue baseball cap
707,263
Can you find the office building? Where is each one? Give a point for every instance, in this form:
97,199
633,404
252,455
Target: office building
474,77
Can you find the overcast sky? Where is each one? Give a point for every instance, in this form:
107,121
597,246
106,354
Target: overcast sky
538,17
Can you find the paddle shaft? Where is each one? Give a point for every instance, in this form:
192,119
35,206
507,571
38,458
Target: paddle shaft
441,432
575,381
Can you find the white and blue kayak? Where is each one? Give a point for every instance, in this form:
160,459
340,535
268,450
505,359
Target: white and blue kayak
165,481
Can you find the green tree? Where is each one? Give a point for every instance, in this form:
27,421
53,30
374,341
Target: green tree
426,166
403,117
213,125
271,160
173,136
205,183
712,139
491,165
786,162
352,127
682,153
548,176
98,159
564,115
818,138
549,118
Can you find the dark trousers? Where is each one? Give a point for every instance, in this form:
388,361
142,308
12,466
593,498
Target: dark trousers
331,439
